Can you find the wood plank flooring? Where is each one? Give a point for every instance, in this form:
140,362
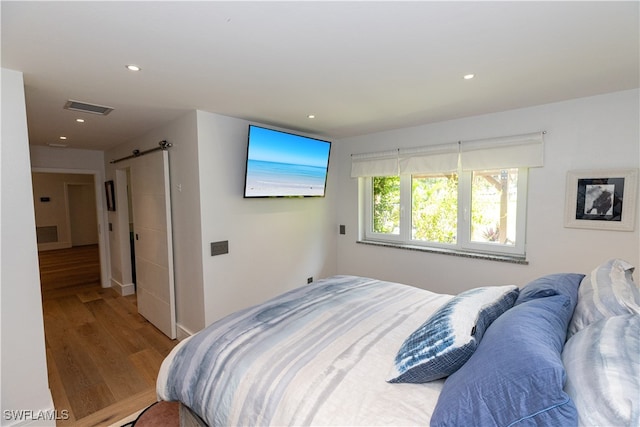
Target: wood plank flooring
102,356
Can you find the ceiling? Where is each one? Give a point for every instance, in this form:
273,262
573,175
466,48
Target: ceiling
359,67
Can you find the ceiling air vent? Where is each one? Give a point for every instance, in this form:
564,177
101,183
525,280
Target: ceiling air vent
87,108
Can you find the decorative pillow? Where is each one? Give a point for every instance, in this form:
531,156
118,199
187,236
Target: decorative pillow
603,371
449,337
608,291
554,284
516,374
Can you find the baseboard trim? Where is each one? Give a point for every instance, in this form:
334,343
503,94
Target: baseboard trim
40,417
52,246
183,332
123,289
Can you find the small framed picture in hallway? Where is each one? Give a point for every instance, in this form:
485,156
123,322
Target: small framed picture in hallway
111,197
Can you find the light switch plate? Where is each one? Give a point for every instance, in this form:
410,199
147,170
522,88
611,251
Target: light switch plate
219,248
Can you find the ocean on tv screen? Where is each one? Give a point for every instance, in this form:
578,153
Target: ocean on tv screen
271,179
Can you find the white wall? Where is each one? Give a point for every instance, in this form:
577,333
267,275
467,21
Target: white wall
274,244
66,158
57,211
596,132
24,367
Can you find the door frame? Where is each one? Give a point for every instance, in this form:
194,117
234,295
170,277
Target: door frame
124,286
101,213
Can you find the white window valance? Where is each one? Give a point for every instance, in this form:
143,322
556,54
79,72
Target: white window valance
515,151
430,159
383,163
506,152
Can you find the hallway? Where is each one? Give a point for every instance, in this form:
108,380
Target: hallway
100,351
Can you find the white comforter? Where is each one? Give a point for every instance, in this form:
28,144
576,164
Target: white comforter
317,355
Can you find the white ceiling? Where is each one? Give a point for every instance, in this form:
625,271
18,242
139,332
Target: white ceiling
360,67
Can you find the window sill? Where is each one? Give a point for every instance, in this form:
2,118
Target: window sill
513,259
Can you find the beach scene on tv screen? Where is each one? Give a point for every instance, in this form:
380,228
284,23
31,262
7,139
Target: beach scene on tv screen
281,165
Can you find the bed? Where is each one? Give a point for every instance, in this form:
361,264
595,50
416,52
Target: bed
356,351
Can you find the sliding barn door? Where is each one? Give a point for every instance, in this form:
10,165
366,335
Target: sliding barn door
151,200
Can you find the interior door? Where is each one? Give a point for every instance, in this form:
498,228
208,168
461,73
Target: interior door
83,221
151,200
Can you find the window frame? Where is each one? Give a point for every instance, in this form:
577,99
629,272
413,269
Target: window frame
463,239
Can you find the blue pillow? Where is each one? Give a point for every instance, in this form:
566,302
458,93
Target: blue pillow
450,336
516,373
553,284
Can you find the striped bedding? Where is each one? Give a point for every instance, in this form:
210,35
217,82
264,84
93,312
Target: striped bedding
316,355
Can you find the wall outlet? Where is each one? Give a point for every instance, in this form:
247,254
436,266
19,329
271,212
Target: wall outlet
343,229
309,280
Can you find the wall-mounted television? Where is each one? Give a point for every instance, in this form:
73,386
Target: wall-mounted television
283,164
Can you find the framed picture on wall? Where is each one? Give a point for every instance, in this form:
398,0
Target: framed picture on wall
601,199
111,197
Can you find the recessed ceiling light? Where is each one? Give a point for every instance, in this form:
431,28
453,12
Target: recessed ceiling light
63,137
132,67
80,120
469,76
311,116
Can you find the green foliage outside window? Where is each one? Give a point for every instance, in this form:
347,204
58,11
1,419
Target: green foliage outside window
434,208
474,211
386,204
494,199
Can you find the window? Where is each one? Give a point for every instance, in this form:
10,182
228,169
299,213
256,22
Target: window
475,211
386,205
434,208
494,201
465,196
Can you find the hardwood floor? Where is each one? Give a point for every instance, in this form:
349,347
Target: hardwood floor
102,356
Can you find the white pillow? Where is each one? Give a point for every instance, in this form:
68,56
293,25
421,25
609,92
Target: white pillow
448,338
608,291
602,362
